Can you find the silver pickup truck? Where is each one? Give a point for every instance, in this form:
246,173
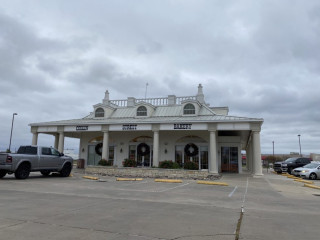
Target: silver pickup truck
35,158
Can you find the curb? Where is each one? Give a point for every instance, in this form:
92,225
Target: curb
311,186
129,179
91,178
293,177
304,181
213,183
168,180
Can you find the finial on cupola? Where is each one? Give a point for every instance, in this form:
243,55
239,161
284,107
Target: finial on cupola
106,97
200,96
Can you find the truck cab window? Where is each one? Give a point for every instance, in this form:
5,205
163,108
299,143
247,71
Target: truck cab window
46,151
55,152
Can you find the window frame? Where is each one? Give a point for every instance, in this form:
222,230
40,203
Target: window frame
99,111
142,113
189,111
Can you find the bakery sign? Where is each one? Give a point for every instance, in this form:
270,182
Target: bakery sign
82,128
127,127
182,126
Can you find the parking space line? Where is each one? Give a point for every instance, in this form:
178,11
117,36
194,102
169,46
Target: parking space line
174,187
230,194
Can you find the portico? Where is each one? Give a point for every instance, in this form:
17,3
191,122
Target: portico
181,129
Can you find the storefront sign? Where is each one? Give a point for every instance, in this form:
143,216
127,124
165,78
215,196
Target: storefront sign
129,127
182,126
81,128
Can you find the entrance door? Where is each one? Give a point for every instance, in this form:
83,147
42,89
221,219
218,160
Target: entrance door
201,159
229,159
93,157
143,160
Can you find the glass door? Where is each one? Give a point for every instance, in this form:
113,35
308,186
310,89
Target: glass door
201,159
143,160
229,159
93,157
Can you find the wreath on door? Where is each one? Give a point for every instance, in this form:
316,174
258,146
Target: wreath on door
191,150
98,149
143,149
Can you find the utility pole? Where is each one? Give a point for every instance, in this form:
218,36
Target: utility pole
299,144
145,95
11,130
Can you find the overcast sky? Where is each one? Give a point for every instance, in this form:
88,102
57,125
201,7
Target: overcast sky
259,58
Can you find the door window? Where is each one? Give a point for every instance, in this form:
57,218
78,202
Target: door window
229,159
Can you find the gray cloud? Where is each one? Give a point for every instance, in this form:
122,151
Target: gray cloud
259,58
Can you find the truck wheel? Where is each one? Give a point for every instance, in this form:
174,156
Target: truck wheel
313,176
23,171
290,170
2,173
66,170
45,172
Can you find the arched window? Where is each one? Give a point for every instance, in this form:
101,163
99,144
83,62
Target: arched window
189,109
142,111
99,113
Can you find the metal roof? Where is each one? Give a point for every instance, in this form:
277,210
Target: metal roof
184,119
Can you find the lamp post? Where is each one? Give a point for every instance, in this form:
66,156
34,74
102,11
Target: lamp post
299,143
11,130
273,148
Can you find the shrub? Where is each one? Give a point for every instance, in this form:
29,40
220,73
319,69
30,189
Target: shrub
102,162
191,166
168,164
129,163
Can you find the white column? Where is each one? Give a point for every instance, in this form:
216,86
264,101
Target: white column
61,142
56,141
156,148
34,138
105,146
257,165
213,166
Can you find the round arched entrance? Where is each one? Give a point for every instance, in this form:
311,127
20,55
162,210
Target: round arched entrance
95,151
192,149
140,149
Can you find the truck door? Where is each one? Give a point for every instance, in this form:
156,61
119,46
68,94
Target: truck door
47,159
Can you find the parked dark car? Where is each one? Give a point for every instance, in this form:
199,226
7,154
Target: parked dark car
290,164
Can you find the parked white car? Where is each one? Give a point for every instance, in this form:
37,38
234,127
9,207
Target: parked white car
310,171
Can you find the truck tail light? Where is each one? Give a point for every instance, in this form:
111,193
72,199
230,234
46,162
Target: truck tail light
9,159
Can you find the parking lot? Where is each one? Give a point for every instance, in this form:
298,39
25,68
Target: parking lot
273,206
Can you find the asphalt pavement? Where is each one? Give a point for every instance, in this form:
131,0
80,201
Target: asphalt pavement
272,207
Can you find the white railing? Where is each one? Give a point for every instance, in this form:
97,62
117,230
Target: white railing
179,100
152,101
119,103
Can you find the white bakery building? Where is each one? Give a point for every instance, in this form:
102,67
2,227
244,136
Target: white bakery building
151,130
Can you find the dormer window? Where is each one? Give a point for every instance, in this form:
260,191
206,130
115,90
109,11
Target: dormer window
99,113
142,111
189,109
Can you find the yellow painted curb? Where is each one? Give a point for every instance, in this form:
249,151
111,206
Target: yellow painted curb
304,181
168,180
91,178
311,186
70,175
213,183
129,179
293,177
